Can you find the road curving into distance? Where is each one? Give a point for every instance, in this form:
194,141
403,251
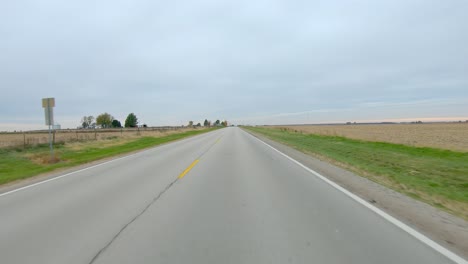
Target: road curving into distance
220,197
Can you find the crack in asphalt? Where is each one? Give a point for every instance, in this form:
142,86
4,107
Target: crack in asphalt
131,221
155,199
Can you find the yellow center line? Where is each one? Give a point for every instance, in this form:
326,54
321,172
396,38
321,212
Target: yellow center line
196,161
189,168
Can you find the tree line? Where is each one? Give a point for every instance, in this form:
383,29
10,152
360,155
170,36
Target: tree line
207,123
106,120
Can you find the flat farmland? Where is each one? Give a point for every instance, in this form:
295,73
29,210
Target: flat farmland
450,136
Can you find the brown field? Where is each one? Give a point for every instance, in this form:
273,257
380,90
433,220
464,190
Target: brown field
26,139
451,136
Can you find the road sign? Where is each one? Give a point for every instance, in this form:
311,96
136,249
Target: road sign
48,104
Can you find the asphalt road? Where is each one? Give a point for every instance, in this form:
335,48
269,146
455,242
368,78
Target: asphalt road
221,197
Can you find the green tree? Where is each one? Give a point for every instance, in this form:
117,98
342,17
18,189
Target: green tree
217,122
104,120
206,123
190,123
131,121
116,123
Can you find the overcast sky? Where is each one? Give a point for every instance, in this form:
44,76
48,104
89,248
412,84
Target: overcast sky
256,62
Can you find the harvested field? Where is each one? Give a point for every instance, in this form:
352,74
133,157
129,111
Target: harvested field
451,136
33,138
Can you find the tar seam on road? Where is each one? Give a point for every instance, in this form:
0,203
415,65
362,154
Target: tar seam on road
155,199
203,154
422,238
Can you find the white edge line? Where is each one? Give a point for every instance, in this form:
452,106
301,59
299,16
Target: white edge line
65,175
94,166
447,253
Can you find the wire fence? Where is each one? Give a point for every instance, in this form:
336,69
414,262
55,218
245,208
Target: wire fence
34,138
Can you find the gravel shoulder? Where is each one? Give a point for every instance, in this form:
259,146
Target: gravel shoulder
447,230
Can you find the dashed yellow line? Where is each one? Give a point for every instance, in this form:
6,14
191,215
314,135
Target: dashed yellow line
195,162
188,169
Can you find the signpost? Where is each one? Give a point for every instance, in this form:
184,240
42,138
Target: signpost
48,104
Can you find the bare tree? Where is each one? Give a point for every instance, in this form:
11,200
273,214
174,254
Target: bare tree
87,121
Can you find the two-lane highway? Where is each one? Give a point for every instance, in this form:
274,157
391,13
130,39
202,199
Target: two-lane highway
221,197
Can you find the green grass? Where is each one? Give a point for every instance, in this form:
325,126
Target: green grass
438,177
16,164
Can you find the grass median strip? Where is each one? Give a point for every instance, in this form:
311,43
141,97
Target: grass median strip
16,164
438,177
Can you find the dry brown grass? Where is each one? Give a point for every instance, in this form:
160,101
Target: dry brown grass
451,136
42,158
75,138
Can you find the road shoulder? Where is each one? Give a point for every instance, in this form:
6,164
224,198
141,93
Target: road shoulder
443,228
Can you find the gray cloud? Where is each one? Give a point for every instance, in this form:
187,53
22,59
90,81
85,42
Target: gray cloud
246,61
